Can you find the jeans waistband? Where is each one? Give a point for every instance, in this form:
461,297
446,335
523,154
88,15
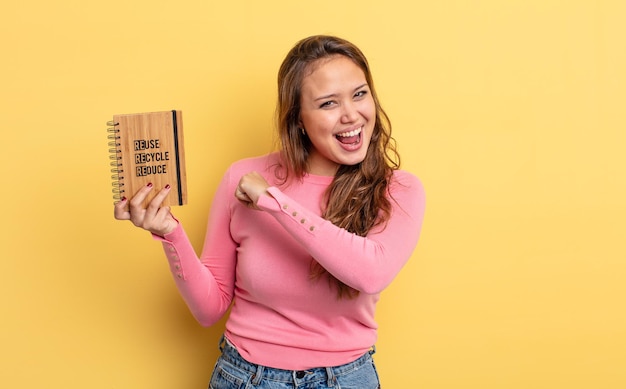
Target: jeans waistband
231,355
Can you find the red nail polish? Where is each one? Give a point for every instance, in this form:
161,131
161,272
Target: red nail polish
149,185
167,186
123,198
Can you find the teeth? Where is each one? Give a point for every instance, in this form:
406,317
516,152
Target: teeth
351,133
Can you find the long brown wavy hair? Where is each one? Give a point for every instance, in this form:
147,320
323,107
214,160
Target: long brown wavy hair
357,199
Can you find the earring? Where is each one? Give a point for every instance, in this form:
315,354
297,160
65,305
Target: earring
303,132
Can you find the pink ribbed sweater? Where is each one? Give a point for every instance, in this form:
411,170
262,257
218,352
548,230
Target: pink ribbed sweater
259,261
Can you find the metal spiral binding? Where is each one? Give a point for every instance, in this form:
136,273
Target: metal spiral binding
116,160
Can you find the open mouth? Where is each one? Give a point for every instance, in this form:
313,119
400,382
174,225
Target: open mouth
351,137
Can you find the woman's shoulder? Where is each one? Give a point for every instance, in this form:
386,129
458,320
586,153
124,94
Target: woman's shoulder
403,176
259,162
263,164
404,180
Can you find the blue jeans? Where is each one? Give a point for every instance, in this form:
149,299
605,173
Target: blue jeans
233,372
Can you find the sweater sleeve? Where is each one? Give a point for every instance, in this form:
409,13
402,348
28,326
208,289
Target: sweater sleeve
367,264
206,283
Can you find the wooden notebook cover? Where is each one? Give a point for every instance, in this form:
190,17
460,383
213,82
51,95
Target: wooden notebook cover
151,150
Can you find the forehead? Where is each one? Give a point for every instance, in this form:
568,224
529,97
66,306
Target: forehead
333,70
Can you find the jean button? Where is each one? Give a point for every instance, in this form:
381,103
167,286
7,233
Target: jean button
300,374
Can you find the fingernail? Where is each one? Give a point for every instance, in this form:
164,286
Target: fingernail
167,186
123,198
149,185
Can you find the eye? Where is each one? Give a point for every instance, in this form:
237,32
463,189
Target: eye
360,94
327,104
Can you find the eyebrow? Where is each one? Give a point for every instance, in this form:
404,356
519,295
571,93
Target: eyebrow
334,94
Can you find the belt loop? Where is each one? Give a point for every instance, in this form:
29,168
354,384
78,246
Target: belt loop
373,350
256,379
332,380
222,343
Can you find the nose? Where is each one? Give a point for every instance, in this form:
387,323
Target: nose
350,112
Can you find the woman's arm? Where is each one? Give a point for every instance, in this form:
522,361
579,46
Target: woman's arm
367,264
207,284
206,297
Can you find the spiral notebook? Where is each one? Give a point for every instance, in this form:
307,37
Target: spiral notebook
148,148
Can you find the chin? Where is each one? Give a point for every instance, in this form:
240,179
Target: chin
353,161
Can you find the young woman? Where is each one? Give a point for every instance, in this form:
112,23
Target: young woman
301,242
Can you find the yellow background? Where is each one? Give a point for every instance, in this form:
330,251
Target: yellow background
511,112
